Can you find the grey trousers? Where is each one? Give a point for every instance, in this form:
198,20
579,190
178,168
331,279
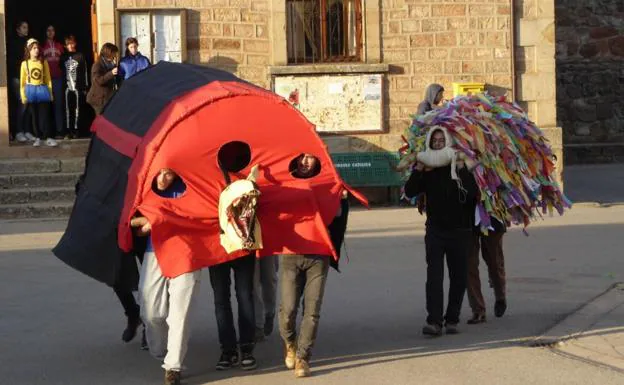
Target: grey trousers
302,275
166,304
265,288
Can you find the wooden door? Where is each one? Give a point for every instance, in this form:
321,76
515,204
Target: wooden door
94,30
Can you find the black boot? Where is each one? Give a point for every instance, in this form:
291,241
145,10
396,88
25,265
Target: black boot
131,329
500,307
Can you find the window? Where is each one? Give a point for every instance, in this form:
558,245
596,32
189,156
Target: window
161,33
323,30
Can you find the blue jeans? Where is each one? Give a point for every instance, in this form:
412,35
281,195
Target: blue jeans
243,282
59,98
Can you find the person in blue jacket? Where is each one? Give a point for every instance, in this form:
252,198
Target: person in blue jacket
133,62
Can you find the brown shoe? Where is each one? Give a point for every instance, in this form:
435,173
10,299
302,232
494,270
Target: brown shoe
172,377
290,355
302,368
477,318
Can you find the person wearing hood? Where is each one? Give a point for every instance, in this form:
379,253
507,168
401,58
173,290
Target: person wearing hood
133,62
450,192
433,96
103,74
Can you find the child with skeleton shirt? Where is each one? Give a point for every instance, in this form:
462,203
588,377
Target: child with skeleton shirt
76,84
450,192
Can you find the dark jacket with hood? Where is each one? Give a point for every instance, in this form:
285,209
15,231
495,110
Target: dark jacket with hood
430,95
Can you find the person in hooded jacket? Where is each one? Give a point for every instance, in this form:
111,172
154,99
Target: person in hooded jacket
450,206
103,77
133,62
433,96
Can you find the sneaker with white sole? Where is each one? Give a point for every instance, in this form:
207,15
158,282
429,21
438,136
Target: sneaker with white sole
37,142
30,136
21,138
50,142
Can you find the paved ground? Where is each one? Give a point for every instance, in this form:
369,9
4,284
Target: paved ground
59,327
602,183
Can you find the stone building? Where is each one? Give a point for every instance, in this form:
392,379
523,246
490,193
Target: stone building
590,79
371,58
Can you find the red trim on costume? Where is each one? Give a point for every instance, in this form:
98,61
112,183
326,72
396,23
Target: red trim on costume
122,141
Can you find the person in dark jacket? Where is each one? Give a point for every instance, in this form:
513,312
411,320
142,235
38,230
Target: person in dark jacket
15,56
450,208
133,62
103,74
433,96
492,252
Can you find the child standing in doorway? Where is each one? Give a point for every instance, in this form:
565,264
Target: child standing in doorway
52,51
36,93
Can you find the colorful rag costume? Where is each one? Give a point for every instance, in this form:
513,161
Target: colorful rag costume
515,169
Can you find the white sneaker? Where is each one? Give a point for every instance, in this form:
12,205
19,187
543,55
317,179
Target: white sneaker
50,142
30,137
20,137
37,142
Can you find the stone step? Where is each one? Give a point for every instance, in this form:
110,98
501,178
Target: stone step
40,166
36,210
60,179
36,195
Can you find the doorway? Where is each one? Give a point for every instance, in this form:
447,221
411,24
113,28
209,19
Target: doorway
69,17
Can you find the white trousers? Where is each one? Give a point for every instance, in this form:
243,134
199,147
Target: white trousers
165,307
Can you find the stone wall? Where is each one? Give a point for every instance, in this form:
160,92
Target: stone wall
590,70
228,34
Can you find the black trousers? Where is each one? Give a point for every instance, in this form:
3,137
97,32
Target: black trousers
454,244
220,279
38,114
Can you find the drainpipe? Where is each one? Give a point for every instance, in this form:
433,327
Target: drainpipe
513,50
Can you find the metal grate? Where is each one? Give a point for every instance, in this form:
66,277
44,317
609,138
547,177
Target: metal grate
323,30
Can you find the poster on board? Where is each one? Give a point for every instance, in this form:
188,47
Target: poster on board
338,103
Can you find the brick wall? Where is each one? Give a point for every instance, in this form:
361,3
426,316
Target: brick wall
228,34
444,41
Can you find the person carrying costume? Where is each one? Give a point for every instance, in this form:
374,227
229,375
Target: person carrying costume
492,252
303,276
166,303
76,79
36,93
450,191
265,290
103,74
433,97
15,56
52,52
220,279
133,62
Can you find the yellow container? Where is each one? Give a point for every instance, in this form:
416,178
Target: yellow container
468,88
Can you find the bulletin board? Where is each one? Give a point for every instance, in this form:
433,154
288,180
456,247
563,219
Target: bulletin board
351,103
